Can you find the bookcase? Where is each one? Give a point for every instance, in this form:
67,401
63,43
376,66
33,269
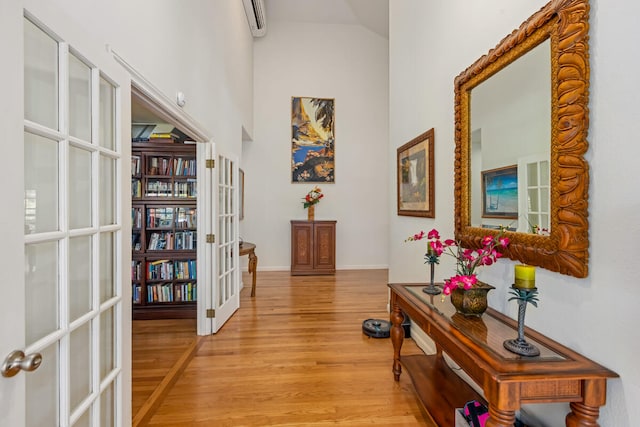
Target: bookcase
164,229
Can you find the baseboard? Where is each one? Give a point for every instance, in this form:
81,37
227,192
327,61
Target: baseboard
340,267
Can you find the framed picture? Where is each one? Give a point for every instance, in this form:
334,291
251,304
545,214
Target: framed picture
312,139
416,186
500,193
241,194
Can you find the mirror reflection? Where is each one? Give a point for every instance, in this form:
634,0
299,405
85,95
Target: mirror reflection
510,132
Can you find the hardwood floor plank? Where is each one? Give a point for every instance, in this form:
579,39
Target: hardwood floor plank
295,355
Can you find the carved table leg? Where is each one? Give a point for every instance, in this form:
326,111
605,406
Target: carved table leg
582,415
500,418
397,338
253,269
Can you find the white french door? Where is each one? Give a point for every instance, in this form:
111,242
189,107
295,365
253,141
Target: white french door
224,296
535,188
67,302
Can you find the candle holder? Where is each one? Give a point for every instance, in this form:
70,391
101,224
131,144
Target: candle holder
432,289
520,345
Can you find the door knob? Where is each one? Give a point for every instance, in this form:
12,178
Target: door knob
17,361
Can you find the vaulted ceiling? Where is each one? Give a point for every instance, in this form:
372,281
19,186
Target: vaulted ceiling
372,14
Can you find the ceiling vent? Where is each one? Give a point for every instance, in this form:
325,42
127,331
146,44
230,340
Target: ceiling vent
256,17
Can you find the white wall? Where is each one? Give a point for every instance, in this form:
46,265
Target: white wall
433,41
349,64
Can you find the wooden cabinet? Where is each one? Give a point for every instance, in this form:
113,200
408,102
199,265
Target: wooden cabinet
164,230
313,247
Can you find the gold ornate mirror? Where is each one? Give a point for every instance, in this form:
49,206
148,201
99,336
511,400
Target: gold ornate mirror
521,137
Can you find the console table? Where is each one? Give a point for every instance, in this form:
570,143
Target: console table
250,249
559,374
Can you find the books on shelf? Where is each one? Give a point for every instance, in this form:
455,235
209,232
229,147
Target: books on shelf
136,161
168,292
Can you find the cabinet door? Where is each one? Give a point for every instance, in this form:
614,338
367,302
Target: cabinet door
324,247
302,247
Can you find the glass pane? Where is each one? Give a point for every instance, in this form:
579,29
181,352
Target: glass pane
107,276
84,420
534,205
80,362
79,188
41,290
532,174
544,200
42,391
40,76
107,114
106,406
544,173
107,343
79,99
40,184
80,252
107,190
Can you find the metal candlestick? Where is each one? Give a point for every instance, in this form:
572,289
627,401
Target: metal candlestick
520,345
431,289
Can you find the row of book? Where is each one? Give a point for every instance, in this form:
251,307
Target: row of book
136,218
182,292
169,270
156,188
168,292
164,217
167,166
136,188
136,162
136,270
169,241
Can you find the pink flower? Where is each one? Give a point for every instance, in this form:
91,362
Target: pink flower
467,260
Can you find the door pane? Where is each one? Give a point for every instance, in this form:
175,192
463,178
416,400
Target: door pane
106,406
80,252
107,190
41,290
40,184
42,391
84,420
79,99
80,188
107,277
107,114
107,343
80,363
40,77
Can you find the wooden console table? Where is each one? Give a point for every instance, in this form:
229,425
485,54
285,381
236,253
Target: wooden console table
507,380
250,249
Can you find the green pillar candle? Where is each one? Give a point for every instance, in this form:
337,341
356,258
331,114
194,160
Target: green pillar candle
525,276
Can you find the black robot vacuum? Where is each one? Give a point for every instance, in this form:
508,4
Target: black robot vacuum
376,328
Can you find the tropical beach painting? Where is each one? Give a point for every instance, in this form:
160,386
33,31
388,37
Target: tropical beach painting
500,192
312,139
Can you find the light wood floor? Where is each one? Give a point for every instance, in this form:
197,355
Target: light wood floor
294,355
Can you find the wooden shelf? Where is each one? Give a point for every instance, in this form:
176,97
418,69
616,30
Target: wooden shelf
439,389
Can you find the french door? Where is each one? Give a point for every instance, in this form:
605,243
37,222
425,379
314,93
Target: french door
66,305
222,255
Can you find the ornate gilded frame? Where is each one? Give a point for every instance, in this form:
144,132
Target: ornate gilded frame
566,250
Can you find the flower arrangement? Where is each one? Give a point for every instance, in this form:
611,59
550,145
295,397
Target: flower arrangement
467,260
313,197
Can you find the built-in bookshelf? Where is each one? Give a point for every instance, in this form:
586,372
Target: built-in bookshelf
164,232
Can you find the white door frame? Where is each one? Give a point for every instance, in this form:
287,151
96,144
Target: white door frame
166,109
